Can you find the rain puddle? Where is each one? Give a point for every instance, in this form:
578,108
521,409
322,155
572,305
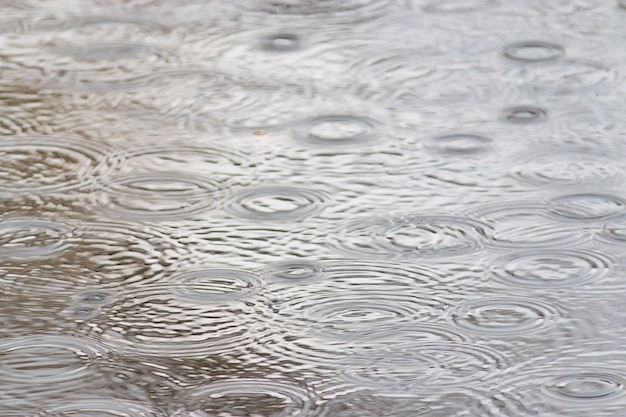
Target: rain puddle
309,208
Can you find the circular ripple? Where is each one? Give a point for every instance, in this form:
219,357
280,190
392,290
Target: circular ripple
357,314
124,252
113,52
159,195
586,386
422,367
46,359
565,167
564,76
215,285
177,321
521,224
94,297
461,144
251,396
337,130
412,236
505,316
587,206
31,238
460,6
281,42
533,51
101,407
36,164
525,114
295,272
276,203
551,268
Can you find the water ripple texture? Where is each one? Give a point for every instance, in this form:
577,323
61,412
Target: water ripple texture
24,238
548,269
49,164
412,236
250,396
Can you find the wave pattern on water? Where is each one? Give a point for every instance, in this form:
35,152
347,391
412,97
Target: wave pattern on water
312,208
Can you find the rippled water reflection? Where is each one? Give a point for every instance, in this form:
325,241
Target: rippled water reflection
306,208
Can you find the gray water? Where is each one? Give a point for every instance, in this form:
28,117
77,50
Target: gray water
310,208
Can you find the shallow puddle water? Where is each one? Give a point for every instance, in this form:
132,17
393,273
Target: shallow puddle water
310,208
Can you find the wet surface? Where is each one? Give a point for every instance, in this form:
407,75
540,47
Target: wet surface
296,208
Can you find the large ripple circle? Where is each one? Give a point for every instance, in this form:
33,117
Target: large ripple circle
276,203
31,237
100,407
49,163
251,396
215,285
551,268
412,236
505,316
159,195
423,367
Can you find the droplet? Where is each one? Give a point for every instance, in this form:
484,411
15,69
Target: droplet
533,51
337,130
525,114
281,42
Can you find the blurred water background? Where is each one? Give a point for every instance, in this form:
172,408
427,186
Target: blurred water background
312,208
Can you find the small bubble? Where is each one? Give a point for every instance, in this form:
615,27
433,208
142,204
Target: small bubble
525,114
283,42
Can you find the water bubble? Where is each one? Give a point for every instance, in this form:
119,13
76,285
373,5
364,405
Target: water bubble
95,297
215,285
32,238
281,42
586,386
533,51
587,206
505,316
461,144
251,396
337,130
551,268
295,272
276,203
49,164
159,195
412,236
81,312
525,114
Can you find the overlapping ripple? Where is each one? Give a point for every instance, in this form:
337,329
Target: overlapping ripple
250,396
36,164
276,202
27,238
412,236
549,268
422,367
